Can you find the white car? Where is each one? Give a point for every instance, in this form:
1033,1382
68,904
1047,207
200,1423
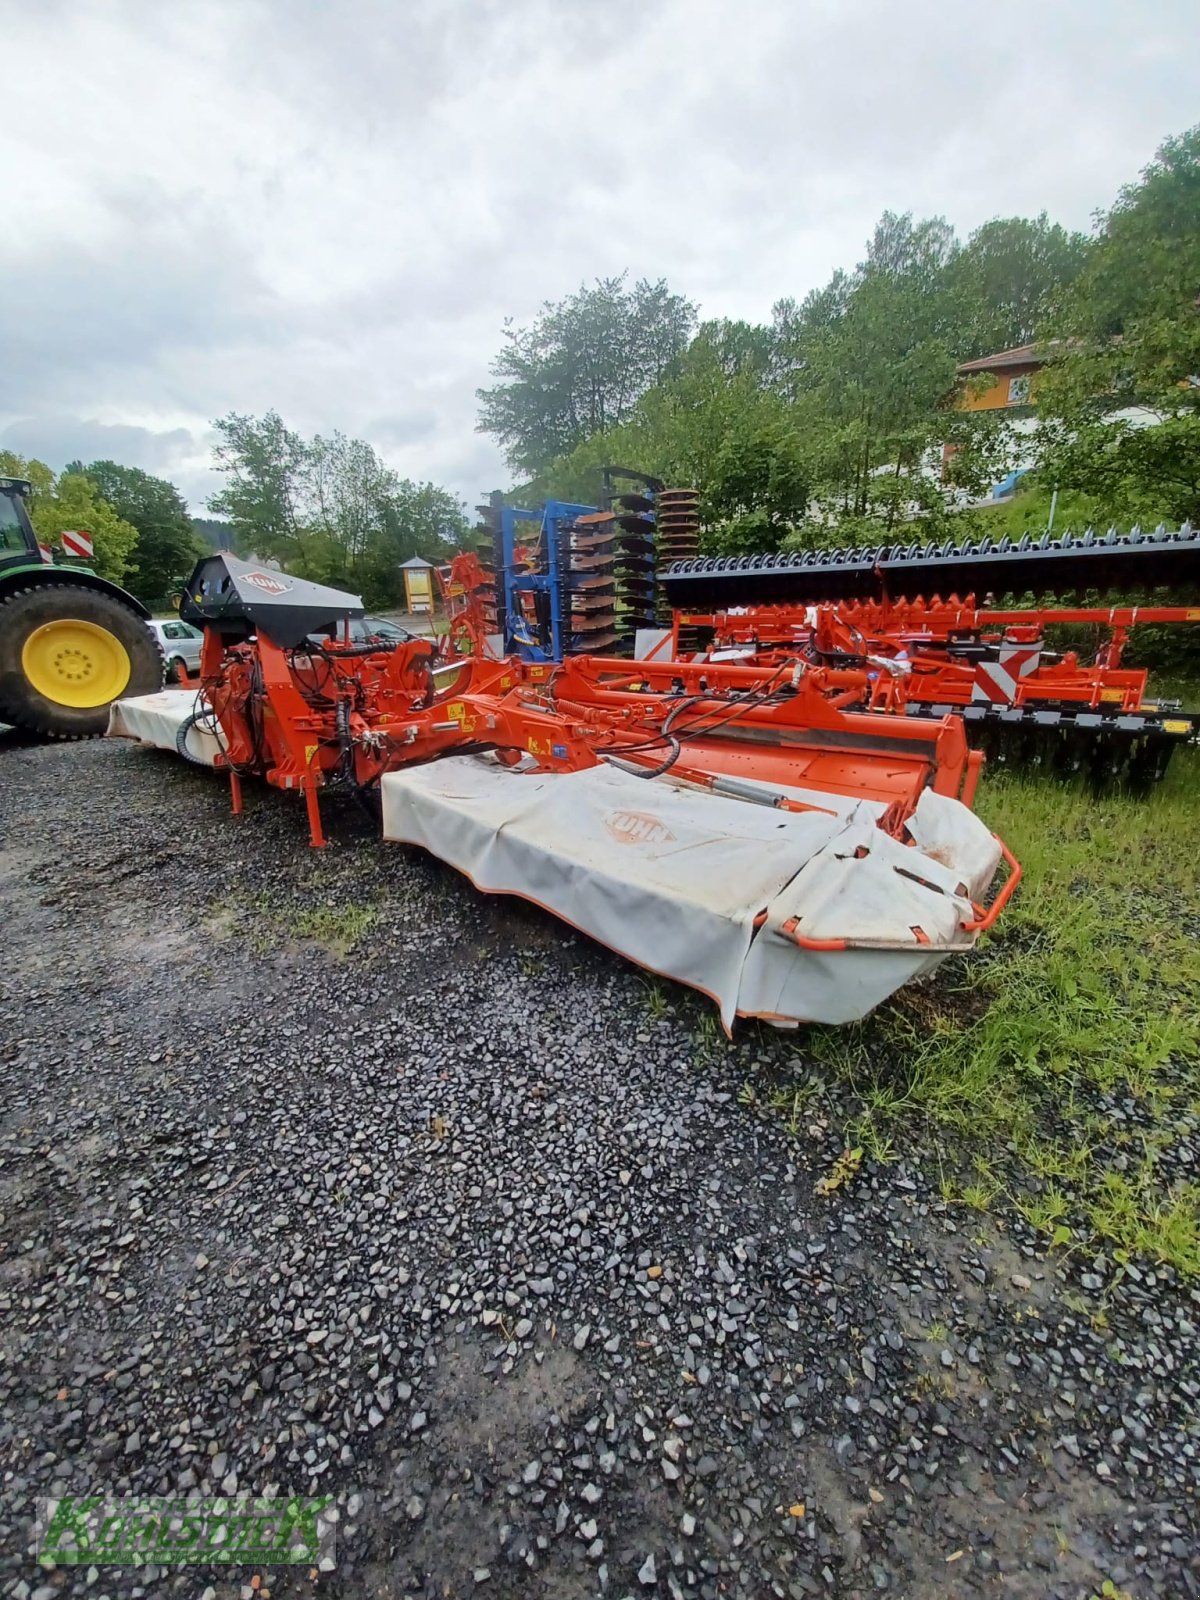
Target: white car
180,644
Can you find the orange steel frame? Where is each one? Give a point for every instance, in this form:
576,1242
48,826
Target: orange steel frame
925,634
302,719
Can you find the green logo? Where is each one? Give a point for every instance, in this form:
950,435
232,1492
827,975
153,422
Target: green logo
130,1530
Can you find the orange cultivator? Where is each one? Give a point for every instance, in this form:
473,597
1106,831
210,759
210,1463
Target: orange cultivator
895,610
737,827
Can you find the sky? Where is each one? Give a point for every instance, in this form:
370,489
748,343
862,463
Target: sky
330,207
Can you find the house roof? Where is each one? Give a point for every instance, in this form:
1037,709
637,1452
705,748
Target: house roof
1021,355
415,561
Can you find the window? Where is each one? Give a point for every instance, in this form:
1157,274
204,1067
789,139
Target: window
1018,390
12,533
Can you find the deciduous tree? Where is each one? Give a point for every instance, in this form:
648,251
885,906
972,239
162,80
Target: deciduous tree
580,367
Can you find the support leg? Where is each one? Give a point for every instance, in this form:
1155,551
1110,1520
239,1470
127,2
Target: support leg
235,792
315,835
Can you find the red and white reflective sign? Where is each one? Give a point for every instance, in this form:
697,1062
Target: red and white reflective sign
47,554
997,680
77,543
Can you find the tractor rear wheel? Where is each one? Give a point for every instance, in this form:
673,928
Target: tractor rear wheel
66,653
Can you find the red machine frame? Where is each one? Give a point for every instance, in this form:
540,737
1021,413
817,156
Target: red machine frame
932,644
305,717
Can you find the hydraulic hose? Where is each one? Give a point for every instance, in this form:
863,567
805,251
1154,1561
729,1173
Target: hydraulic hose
199,714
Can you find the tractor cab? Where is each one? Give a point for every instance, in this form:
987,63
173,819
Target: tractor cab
18,542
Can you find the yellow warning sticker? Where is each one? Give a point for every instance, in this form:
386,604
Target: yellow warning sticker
456,712
1176,725
310,751
1112,694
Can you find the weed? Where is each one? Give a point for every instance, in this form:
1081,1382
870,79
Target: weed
1109,1591
978,1196
338,928
708,1036
840,1173
656,1000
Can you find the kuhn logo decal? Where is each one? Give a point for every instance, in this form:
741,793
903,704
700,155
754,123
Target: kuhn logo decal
268,582
637,827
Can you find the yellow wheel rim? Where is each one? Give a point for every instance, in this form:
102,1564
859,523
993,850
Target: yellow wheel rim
75,663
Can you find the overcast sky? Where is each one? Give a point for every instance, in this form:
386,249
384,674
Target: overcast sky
330,206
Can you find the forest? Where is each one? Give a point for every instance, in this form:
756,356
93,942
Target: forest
825,424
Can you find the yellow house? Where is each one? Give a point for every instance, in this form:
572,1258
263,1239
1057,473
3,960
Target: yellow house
1012,375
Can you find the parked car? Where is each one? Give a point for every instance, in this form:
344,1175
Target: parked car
180,644
364,629
372,630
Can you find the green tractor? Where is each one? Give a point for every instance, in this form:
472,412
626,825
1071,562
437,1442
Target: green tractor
70,643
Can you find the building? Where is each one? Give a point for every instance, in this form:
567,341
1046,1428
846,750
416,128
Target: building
1007,381
1012,374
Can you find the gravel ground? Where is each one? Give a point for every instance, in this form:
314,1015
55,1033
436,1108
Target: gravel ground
461,1229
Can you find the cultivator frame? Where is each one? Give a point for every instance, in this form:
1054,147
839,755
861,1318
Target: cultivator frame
990,663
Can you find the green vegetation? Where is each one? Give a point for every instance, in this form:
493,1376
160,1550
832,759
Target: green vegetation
1029,512
269,922
71,500
338,928
581,367
1128,335
1085,1001
167,547
329,509
827,424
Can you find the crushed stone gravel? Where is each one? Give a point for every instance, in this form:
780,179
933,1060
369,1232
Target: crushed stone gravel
322,1173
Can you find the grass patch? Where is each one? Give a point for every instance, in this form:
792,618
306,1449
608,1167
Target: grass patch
1083,1002
338,928
268,922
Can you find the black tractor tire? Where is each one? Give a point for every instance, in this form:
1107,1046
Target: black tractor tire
27,609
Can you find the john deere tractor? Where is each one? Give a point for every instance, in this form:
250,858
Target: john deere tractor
70,642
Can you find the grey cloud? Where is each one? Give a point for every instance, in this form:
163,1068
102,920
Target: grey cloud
388,432
180,454
59,439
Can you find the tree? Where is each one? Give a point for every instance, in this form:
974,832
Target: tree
581,367
416,519
71,500
265,464
713,421
870,359
1125,348
329,508
1009,279
167,547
